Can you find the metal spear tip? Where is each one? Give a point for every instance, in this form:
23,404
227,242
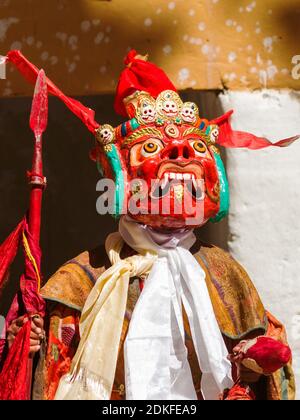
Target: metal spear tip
39,108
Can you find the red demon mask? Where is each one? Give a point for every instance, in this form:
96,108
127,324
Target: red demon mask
166,157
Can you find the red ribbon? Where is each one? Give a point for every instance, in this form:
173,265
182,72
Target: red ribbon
230,138
30,72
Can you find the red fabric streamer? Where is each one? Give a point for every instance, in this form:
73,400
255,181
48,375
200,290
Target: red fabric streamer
13,314
140,74
29,283
231,138
30,72
14,372
33,302
8,251
13,377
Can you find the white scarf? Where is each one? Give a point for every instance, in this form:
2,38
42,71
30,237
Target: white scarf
156,365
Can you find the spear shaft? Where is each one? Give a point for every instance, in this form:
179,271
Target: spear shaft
38,124
38,183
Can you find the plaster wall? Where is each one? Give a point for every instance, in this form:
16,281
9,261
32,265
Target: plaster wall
264,222
201,44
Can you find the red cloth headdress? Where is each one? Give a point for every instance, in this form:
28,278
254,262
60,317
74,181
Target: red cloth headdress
140,74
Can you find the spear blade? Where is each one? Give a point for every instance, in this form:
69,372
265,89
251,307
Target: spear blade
39,109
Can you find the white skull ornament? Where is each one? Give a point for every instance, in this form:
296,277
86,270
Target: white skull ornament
214,134
168,104
189,112
146,111
105,134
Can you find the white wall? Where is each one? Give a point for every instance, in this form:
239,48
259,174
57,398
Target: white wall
264,220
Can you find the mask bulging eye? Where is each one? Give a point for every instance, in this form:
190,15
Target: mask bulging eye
199,147
150,148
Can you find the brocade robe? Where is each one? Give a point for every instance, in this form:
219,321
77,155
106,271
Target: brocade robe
238,309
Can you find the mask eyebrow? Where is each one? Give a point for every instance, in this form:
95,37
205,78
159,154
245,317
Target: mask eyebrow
197,131
150,131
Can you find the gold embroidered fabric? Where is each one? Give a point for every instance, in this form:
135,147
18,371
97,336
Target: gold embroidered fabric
236,303
235,300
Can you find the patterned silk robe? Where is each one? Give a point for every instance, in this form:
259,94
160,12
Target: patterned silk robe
239,312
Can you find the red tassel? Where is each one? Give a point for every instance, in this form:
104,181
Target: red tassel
14,372
140,74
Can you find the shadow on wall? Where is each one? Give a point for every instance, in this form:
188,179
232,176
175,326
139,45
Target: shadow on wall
94,26
70,223
288,18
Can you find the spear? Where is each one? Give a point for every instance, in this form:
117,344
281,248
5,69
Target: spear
16,374
37,181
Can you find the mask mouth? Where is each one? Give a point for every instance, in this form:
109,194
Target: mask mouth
186,181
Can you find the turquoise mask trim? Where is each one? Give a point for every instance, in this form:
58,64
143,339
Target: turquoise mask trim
224,190
114,160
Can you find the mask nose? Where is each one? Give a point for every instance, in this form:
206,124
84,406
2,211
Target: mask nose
178,152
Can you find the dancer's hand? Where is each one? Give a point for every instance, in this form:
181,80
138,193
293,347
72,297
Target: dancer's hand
37,333
245,374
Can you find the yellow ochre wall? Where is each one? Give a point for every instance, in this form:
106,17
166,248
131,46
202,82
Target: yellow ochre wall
204,44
